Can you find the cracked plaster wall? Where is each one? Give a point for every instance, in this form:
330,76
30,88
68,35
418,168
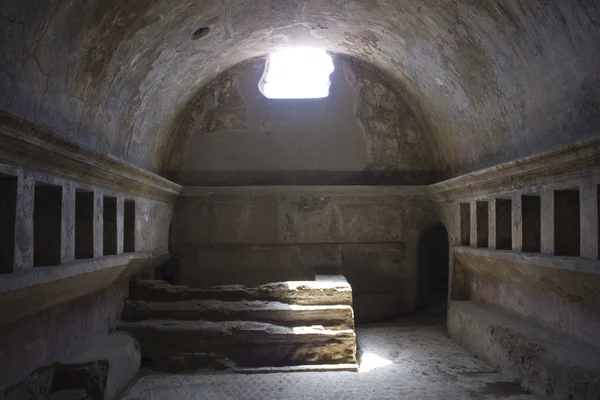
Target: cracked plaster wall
363,132
492,81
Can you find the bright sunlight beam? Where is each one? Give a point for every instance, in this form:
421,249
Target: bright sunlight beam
297,73
370,361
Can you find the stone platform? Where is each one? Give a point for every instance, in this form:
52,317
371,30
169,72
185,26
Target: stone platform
306,325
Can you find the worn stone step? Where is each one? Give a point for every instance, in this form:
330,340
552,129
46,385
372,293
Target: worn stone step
299,368
328,291
330,316
177,346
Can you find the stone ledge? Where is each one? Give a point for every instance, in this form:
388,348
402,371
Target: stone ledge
563,163
322,190
178,346
30,146
29,291
551,366
571,277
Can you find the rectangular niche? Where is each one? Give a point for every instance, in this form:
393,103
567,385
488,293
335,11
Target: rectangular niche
465,224
504,224
110,226
482,223
8,213
47,225
84,224
567,223
129,226
532,223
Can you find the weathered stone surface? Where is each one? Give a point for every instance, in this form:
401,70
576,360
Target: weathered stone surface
303,293
384,141
569,277
33,290
303,323
459,70
331,316
78,394
38,384
246,343
547,364
120,353
572,318
90,376
376,238
100,371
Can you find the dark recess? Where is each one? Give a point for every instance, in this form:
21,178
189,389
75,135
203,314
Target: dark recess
8,211
504,224
482,224
47,225
110,226
532,224
84,224
129,226
567,223
465,224
200,33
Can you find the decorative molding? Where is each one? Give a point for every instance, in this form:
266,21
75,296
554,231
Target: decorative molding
569,162
324,190
32,147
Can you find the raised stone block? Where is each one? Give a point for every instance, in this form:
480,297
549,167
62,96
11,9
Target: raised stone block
104,369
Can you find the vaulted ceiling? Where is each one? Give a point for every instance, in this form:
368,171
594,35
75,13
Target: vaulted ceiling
492,80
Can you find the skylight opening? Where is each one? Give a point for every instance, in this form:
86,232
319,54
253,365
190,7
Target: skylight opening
297,73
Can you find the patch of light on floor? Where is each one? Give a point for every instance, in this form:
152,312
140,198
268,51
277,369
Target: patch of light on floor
297,73
370,361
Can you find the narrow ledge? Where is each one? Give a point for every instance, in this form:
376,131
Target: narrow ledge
30,146
566,162
29,277
32,290
324,190
573,278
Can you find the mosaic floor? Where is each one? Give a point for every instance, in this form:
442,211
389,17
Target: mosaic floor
409,359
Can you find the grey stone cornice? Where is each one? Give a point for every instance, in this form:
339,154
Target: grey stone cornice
320,190
567,162
28,145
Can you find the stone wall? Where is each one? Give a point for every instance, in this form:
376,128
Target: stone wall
256,235
57,333
543,273
62,285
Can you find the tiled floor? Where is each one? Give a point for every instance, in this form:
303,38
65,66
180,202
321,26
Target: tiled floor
412,359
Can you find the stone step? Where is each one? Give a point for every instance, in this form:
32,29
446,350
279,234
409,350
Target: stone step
298,368
330,316
324,291
551,366
177,346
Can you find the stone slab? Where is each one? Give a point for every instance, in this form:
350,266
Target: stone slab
298,292
330,316
198,344
569,277
29,291
551,366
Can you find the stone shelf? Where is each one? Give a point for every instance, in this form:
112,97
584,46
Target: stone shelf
571,277
28,291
